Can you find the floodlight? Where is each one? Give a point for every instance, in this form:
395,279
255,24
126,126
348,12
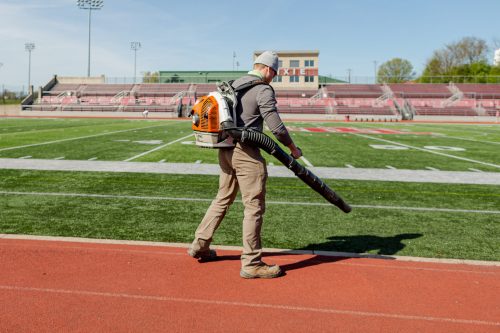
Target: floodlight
134,46
29,47
90,5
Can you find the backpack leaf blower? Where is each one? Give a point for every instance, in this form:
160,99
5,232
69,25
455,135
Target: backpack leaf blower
214,127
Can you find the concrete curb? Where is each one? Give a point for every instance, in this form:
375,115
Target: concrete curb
267,250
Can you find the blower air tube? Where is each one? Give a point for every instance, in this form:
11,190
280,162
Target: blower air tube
269,146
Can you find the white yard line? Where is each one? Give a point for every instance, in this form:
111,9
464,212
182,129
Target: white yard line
59,158
466,139
77,138
25,157
92,159
350,166
475,170
298,203
306,161
431,168
157,148
390,167
427,150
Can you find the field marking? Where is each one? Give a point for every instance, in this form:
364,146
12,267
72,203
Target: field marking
428,150
92,159
390,167
466,139
475,170
350,166
157,148
431,168
25,157
294,308
114,196
309,164
161,161
59,158
77,138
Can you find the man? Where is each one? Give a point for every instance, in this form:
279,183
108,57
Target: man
243,167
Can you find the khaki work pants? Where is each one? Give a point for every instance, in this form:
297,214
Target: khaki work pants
242,168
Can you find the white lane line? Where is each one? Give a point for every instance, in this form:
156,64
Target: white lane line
59,158
113,196
285,307
25,157
350,166
475,170
431,168
390,167
306,161
161,161
157,148
427,150
92,159
77,138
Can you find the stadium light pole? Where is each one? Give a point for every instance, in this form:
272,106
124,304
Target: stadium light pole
134,46
349,74
29,47
90,5
375,70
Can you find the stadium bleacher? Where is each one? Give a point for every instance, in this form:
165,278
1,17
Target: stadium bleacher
342,99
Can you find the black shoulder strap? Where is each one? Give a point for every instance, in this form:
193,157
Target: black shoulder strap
248,85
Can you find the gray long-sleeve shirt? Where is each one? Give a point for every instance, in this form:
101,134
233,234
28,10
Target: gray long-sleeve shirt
258,104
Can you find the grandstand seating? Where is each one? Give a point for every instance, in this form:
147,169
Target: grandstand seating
341,99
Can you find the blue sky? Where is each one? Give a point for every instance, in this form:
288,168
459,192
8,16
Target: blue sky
202,35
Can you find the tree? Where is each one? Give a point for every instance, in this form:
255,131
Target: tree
149,77
456,59
396,70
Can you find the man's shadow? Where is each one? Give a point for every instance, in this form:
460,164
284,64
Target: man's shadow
360,244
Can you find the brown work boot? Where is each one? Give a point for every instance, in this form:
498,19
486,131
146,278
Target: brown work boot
262,271
202,256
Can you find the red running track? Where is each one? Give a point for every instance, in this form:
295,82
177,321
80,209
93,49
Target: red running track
52,286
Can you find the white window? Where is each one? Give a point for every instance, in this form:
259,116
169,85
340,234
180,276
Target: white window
309,63
309,78
294,78
278,78
294,63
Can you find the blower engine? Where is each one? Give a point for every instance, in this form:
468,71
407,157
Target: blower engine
208,113
214,127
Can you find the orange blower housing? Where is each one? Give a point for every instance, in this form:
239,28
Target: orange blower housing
208,112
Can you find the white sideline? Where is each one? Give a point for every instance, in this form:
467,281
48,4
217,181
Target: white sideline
400,175
287,203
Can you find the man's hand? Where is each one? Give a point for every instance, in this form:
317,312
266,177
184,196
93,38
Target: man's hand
295,151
